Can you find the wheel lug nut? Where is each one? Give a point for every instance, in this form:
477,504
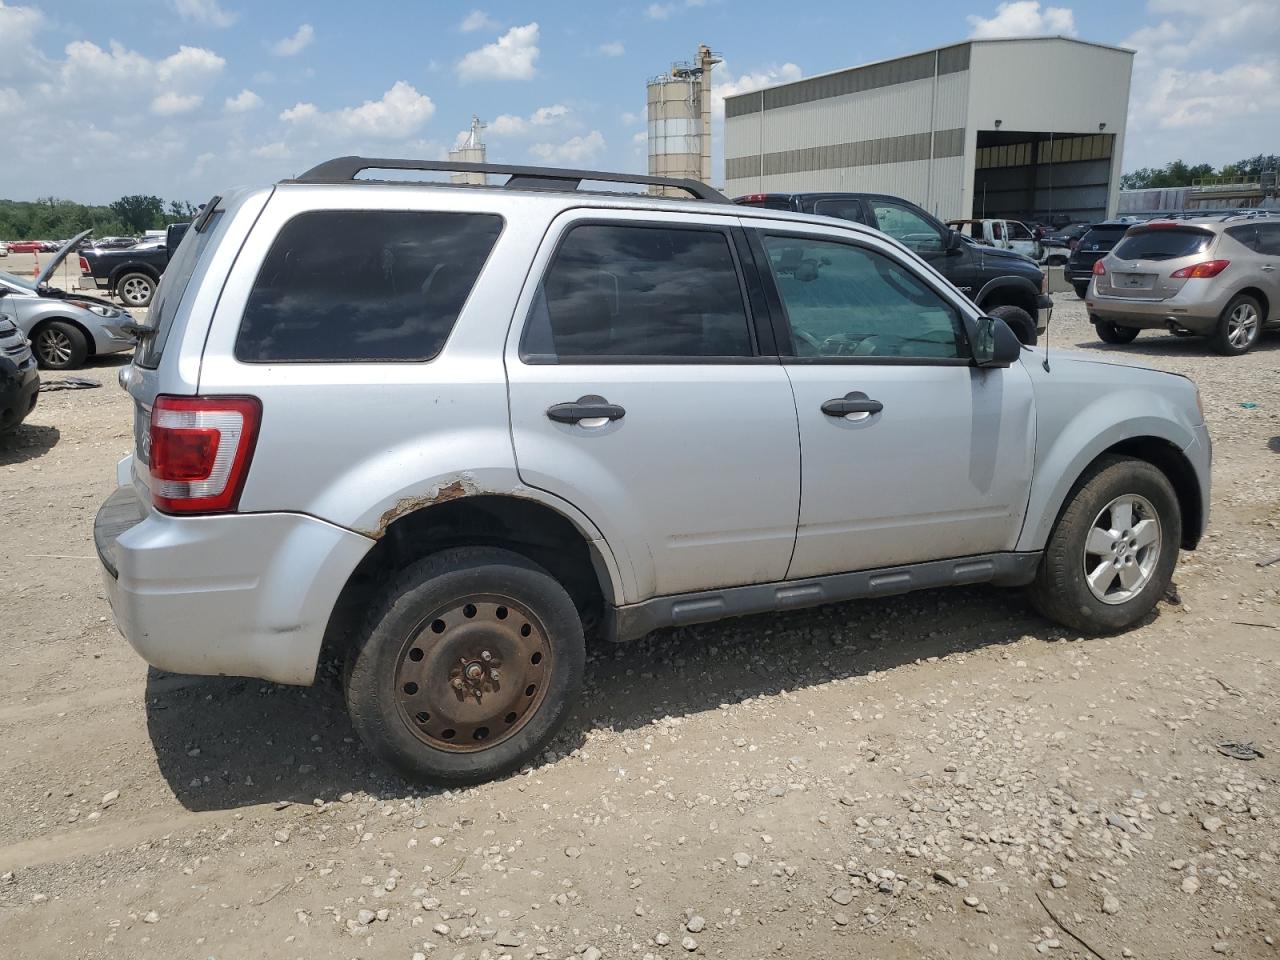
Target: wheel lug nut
486,656
457,683
493,675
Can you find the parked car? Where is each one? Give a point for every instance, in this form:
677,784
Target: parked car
25,246
115,243
4,249
65,329
1002,234
132,273
1002,283
359,427
19,380
1217,277
1092,247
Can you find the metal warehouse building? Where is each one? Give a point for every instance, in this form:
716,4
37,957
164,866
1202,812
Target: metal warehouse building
995,128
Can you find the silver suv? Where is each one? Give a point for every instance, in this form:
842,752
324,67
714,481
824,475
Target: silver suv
445,431
1217,277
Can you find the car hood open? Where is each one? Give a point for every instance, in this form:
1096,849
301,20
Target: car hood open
58,257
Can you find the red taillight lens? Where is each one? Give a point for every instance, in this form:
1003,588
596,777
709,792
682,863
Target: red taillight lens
1098,269
84,265
1201,271
200,451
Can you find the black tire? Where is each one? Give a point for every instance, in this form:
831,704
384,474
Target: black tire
136,289
1110,333
1081,289
1226,337
1019,321
403,619
1061,590
59,345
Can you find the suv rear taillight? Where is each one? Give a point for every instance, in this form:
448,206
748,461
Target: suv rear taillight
200,451
1098,269
1201,271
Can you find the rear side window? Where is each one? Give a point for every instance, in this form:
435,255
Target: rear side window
771,204
1162,244
364,285
844,208
1102,238
641,293
173,285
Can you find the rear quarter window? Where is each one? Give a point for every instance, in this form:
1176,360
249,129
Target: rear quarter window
173,284
364,285
1162,244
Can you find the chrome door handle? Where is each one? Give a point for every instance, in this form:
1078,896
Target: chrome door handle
1268,267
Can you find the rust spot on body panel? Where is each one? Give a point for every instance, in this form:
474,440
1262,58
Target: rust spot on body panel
453,490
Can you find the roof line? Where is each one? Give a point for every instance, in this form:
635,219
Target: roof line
917,53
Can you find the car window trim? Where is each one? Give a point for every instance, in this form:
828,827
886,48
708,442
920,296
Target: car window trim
782,325
758,356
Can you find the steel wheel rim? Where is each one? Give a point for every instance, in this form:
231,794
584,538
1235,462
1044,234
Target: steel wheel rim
135,291
472,673
1122,549
1242,325
54,347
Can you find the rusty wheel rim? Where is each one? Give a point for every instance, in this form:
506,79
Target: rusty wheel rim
473,673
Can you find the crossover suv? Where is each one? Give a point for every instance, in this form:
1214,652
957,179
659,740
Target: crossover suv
1003,283
1217,277
447,431
1090,248
65,329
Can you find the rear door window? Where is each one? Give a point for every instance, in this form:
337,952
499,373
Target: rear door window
1269,239
364,285
845,208
173,285
907,226
643,293
1163,244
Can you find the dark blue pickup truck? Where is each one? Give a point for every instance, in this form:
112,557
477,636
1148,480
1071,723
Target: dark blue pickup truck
132,273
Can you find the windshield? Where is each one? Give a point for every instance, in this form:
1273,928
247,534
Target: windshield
1162,243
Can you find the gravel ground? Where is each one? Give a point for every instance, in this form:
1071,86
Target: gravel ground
938,776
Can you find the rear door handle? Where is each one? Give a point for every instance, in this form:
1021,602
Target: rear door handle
1268,267
854,406
588,411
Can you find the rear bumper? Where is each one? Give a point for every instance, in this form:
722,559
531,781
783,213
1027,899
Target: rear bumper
237,595
1196,315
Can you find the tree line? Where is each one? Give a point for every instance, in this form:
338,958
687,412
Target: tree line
52,219
1181,174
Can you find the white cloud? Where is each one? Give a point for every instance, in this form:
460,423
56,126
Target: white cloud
295,44
169,103
204,11
478,20
510,125
724,84
659,11
613,49
271,151
575,151
1023,18
510,57
400,112
242,102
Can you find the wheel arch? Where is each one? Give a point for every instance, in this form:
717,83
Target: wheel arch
1257,294
1009,291
127,268
57,318
579,560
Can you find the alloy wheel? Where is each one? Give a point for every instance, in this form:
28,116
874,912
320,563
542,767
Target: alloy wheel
1242,325
54,347
1122,549
135,291
473,673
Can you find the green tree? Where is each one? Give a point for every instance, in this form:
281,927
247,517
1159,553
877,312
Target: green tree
180,210
139,212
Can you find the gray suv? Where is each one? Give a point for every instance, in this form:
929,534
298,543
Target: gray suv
1217,277
447,432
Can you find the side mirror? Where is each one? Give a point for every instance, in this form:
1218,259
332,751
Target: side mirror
994,343
953,242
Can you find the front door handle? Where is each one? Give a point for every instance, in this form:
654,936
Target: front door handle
1268,267
853,406
587,411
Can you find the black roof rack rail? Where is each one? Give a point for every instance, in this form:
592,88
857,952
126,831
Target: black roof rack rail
345,170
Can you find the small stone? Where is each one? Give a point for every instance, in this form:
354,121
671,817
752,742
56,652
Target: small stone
661,939
689,944
696,924
40,898
573,853
1110,904
945,876
592,953
742,859
1165,807
1190,884
1222,946
841,919
1057,881
507,940
365,917
281,836
441,929
842,896
1212,824
971,901
109,798
151,917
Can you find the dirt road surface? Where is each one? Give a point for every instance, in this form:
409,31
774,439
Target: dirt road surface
938,776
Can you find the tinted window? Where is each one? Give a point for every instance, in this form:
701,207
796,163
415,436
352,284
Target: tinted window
1246,235
846,301
1269,239
642,292
1162,244
173,286
907,226
774,204
1104,237
845,209
344,285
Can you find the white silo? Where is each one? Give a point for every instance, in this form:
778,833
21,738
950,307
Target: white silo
470,150
679,115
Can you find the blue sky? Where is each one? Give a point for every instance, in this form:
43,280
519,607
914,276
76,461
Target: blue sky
184,97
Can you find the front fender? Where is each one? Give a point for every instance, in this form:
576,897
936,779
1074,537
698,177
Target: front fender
1064,450
1024,287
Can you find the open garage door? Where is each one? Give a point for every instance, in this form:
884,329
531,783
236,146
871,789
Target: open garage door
1020,175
